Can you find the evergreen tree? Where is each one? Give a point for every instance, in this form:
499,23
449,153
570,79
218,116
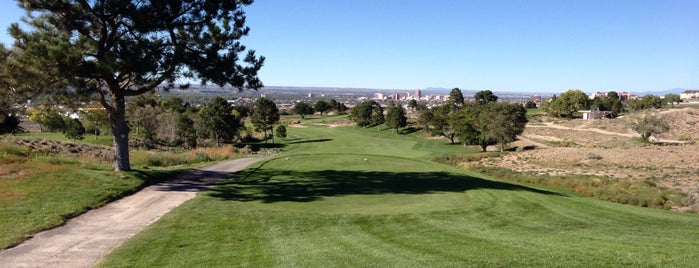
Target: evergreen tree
395,117
115,49
456,98
264,116
74,129
367,114
217,121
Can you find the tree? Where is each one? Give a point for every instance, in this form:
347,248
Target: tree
217,121
173,103
672,99
339,107
48,119
302,109
412,104
9,123
322,106
166,131
281,131
530,105
395,117
186,130
95,118
116,49
484,97
74,129
647,102
470,125
424,117
567,103
505,122
264,116
489,124
456,98
442,122
367,114
648,125
146,117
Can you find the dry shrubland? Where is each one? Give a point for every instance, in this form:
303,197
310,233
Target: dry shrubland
608,149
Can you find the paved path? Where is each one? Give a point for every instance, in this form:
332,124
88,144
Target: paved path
84,240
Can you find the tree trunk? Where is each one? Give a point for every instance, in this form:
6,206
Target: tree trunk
120,131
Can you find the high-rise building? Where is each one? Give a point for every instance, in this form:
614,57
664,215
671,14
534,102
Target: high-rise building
418,94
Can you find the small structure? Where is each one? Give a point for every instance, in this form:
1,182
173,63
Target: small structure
690,95
592,115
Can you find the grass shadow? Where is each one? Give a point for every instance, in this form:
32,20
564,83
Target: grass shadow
273,185
409,130
297,141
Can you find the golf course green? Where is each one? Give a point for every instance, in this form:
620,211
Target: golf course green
353,197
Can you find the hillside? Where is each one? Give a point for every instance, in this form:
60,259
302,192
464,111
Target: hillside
346,196
608,148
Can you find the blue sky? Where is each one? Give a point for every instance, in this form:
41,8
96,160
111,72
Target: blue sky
527,46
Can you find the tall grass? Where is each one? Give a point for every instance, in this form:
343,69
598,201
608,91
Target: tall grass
638,193
181,157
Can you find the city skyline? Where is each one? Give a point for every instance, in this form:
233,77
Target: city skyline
506,46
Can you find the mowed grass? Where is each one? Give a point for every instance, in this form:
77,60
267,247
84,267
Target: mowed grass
360,197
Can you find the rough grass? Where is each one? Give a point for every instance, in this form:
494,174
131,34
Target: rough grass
148,159
43,193
357,197
39,191
638,193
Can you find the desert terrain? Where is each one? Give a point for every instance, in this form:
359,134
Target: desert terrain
609,148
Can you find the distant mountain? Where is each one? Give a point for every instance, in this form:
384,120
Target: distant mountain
663,92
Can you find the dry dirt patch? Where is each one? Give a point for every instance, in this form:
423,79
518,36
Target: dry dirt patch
609,148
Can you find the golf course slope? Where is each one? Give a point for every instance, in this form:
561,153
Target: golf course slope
365,197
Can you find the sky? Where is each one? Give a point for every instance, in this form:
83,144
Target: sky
513,46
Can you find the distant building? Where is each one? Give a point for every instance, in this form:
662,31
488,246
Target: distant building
418,94
592,115
622,95
598,95
690,95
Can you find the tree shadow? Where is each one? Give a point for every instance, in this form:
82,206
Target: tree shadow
274,185
308,141
409,130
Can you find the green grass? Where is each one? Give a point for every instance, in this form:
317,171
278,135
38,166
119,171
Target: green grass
361,197
106,140
39,192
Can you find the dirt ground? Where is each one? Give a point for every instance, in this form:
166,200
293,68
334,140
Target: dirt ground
609,148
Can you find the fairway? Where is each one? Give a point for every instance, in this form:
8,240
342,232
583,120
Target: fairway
363,197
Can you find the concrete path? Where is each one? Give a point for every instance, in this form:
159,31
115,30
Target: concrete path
85,240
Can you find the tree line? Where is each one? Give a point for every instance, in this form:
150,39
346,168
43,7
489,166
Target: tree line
568,103
482,122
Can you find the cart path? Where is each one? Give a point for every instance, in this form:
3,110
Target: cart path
84,240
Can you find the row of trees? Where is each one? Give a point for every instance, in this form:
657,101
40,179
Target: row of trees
321,106
482,122
574,100
169,122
